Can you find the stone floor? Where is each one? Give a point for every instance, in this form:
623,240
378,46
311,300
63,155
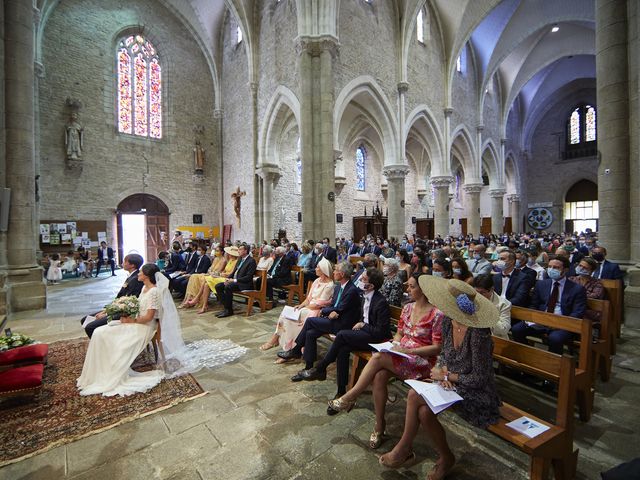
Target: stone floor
256,424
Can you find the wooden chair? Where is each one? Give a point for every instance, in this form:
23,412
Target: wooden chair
156,343
259,296
583,371
296,287
554,447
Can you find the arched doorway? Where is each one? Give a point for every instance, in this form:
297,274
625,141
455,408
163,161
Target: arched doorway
143,226
581,207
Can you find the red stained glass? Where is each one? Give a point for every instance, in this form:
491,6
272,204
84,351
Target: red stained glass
124,91
140,88
155,99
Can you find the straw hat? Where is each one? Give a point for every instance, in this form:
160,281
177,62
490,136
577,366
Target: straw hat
325,267
459,300
233,251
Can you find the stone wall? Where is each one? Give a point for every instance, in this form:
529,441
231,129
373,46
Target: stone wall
79,58
549,176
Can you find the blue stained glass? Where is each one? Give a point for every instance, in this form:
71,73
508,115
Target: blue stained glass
361,156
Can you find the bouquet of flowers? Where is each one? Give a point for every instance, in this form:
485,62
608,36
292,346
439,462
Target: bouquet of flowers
123,306
14,341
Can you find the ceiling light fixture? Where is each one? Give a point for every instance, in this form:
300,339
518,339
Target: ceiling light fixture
555,28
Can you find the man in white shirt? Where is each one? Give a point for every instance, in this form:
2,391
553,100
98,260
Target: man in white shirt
105,255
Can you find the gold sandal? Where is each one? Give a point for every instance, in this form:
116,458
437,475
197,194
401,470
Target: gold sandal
398,463
376,439
339,405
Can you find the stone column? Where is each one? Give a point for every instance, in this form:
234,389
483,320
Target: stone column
315,70
474,221
25,289
613,127
269,175
497,210
514,206
218,115
441,186
395,199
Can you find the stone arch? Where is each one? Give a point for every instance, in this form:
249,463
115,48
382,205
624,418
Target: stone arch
363,96
277,120
422,126
512,174
491,163
463,145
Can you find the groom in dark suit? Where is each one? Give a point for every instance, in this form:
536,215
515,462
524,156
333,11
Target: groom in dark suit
240,279
343,313
373,328
105,255
132,287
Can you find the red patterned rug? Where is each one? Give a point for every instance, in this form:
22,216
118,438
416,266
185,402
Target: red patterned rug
59,415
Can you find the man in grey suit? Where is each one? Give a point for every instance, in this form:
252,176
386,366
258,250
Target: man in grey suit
478,265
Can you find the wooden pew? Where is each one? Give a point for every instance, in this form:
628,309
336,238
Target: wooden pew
296,288
602,346
354,260
615,294
583,371
553,448
259,296
360,358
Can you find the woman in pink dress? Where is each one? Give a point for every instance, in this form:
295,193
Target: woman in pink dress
319,296
419,336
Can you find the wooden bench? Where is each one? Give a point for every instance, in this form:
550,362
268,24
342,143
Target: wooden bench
296,287
354,260
555,446
602,345
360,358
259,296
615,294
583,371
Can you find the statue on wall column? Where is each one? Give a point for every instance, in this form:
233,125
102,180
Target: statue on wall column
236,196
73,139
198,158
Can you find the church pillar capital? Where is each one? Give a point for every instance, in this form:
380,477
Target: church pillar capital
395,172
316,45
472,188
441,182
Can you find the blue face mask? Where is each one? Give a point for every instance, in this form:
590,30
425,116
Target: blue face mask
500,265
457,271
438,274
477,256
554,274
582,271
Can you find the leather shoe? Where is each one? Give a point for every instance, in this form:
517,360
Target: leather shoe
310,374
224,313
298,377
289,354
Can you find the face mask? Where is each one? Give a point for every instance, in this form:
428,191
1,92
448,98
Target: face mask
553,273
457,271
492,245
583,272
438,274
399,259
385,270
500,265
518,263
569,248
218,254
477,256
386,245
598,257
530,262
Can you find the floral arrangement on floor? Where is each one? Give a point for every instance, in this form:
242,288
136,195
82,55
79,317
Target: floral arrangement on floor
123,306
14,341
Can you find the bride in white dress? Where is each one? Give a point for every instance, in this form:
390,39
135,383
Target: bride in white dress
115,346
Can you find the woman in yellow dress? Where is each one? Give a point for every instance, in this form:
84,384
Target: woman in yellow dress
196,280
209,285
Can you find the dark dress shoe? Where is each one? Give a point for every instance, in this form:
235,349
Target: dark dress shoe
289,354
298,377
224,313
314,374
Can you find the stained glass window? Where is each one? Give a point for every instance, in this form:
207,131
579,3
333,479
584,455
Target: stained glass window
420,27
458,186
574,127
590,123
361,160
139,88
298,175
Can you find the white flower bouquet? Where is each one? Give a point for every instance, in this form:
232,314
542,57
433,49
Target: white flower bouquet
123,306
14,341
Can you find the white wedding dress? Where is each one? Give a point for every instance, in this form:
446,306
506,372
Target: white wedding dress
112,350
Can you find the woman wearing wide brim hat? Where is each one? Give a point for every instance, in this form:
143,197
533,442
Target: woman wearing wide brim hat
465,364
209,285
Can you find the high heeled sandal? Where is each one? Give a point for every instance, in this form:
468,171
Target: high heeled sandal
267,346
376,439
443,469
340,405
408,460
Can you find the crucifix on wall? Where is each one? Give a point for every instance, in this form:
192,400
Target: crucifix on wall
236,196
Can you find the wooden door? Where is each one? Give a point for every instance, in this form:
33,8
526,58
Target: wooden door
485,225
359,228
463,226
508,226
425,228
157,235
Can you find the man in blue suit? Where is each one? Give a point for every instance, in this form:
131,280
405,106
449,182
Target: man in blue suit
343,313
606,270
374,327
511,283
556,295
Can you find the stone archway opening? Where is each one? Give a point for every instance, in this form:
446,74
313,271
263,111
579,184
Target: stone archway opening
581,207
142,226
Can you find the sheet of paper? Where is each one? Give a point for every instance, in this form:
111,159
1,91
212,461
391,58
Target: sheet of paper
88,320
387,347
44,229
437,398
291,313
528,427
46,238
